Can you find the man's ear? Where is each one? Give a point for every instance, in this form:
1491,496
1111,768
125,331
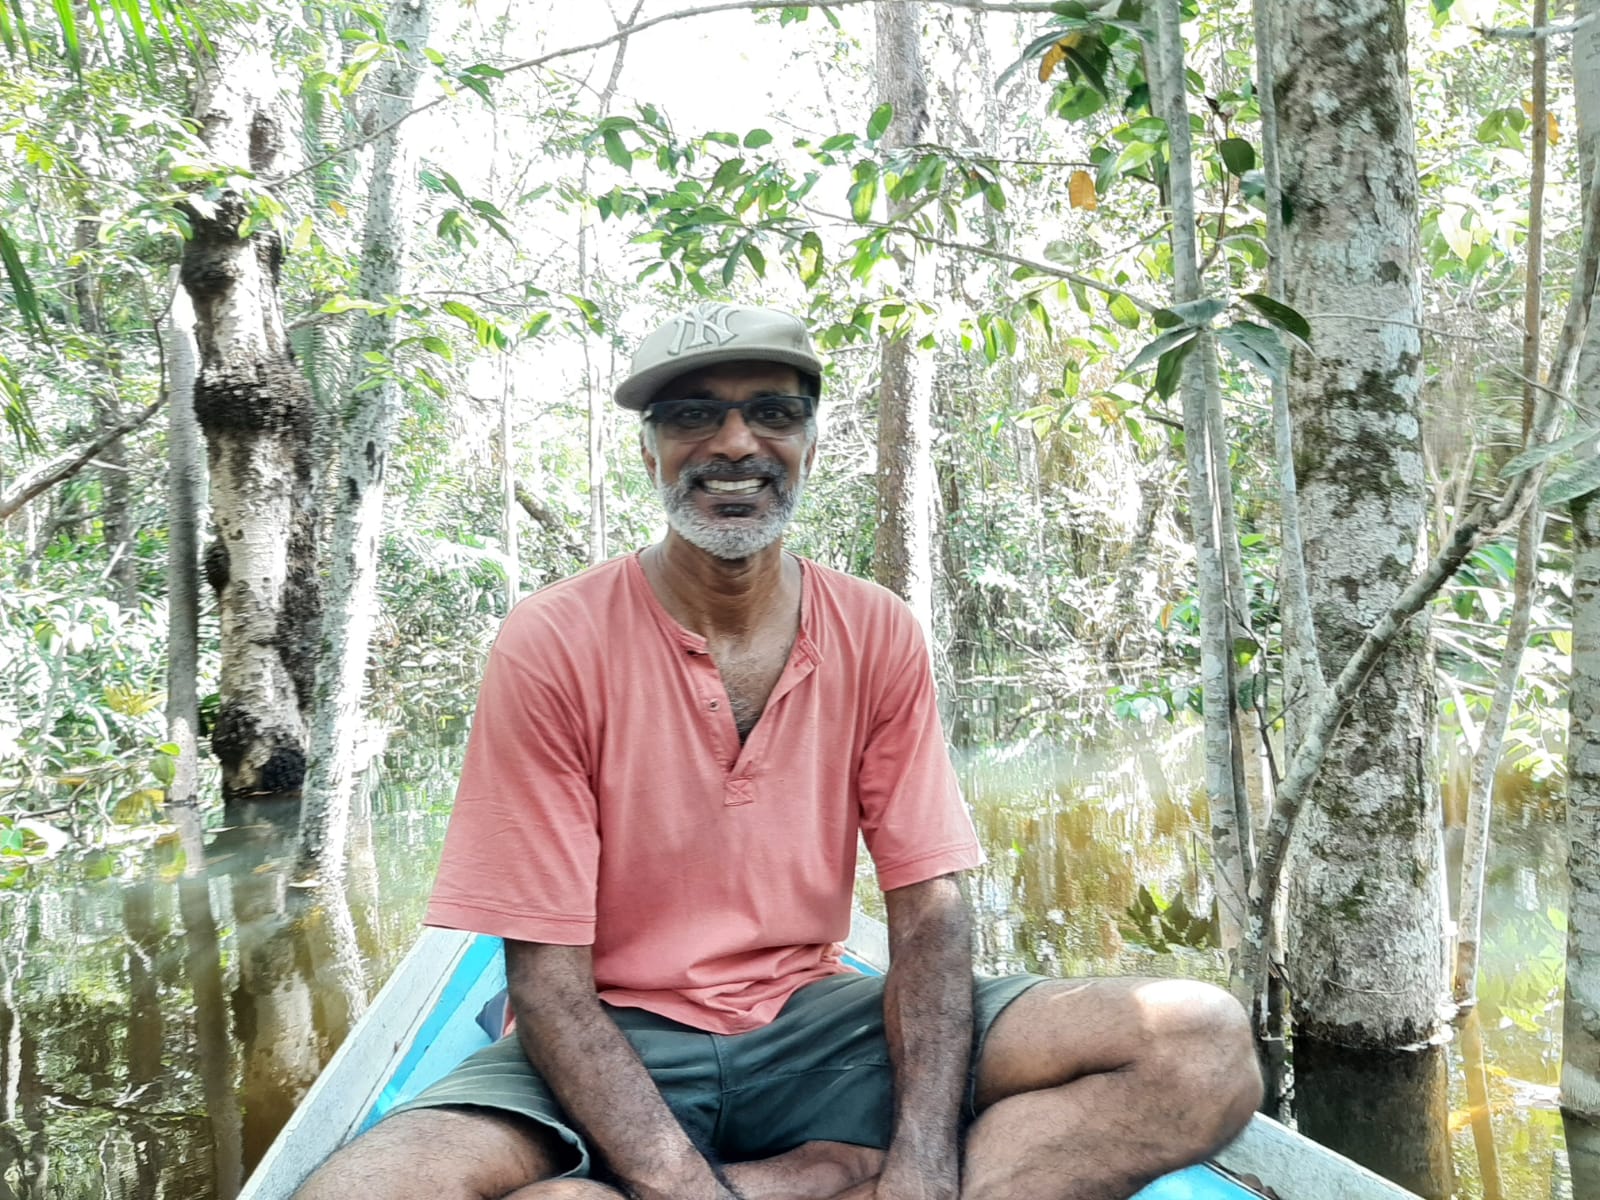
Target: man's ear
649,459
811,455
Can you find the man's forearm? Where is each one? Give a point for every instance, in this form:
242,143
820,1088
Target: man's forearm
928,1018
598,1078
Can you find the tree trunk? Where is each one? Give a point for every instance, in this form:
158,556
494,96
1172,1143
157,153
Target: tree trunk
115,494
1580,1067
185,499
1366,937
255,409
903,552
1230,847
369,419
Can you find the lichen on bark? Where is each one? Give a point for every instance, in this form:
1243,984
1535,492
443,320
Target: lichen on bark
1366,930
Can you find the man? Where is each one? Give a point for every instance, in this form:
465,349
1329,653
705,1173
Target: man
671,759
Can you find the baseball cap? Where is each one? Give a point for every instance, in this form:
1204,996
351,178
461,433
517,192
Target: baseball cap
712,333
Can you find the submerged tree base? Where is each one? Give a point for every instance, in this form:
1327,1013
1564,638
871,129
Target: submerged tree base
1389,1111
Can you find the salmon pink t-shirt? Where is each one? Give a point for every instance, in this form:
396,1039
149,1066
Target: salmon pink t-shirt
606,799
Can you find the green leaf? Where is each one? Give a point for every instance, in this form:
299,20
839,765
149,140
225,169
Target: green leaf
811,259
1238,155
344,304
757,138
1075,101
536,325
1280,314
1161,345
1169,370
27,301
876,127
1123,311
727,174
616,151
68,23
1194,313
1575,481
1535,455
1256,345
862,196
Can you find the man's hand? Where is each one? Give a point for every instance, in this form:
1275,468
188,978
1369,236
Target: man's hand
927,1002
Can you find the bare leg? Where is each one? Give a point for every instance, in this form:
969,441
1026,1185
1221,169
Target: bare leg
1089,1089
441,1154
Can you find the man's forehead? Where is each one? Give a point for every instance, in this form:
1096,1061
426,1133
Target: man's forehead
733,376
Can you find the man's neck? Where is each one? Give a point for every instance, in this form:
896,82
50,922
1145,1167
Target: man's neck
719,597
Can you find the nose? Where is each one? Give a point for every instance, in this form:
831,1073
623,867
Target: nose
733,439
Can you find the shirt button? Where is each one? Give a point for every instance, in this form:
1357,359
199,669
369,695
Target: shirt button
715,704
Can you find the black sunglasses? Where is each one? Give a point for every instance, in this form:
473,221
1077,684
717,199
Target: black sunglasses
695,419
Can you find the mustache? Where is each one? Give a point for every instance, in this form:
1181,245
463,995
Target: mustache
747,468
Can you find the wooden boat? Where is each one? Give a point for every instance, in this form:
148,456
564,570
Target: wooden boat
424,1021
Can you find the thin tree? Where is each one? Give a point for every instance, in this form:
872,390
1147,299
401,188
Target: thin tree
1530,533
370,415
185,500
1205,450
903,551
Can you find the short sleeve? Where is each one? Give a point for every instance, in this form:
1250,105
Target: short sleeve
521,852
912,816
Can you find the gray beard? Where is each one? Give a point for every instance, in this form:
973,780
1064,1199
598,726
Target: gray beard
730,538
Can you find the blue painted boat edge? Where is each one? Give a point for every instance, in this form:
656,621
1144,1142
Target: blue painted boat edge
451,1026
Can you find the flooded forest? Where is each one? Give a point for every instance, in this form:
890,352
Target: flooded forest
1214,380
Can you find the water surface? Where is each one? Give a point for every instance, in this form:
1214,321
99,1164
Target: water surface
160,1016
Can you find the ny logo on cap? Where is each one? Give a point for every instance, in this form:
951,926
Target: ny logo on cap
703,325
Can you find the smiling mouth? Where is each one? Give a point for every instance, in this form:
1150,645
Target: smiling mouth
733,487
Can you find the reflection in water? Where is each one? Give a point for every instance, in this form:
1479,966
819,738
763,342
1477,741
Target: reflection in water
1476,1072
1389,1112
145,996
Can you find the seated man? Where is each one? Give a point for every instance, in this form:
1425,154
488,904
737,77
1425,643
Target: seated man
671,760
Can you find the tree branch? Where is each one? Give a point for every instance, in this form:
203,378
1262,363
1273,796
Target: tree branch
1535,33
990,252
70,463
625,32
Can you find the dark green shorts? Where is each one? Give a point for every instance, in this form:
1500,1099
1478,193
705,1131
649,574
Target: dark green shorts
819,1072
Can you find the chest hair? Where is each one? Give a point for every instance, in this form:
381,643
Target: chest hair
749,673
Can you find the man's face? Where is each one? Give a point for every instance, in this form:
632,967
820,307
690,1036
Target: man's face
732,493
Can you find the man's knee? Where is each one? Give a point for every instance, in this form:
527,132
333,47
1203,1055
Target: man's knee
439,1154
1201,1042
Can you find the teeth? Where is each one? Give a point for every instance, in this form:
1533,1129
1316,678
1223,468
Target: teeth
734,487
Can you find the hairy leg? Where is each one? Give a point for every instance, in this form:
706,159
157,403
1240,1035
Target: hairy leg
441,1154
1089,1089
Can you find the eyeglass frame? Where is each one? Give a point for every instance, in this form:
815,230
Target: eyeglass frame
724,407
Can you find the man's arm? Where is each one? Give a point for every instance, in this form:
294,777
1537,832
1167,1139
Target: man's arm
594,1072
927,1004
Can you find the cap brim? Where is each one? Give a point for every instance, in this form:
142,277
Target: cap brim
637,391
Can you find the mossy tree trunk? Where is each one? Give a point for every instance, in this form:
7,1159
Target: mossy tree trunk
1580,1068
1366,926
903,553
367,421
255,409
